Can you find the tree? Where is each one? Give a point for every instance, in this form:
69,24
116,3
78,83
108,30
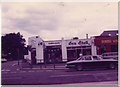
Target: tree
13,43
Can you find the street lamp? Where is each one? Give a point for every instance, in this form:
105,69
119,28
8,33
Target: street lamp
18,55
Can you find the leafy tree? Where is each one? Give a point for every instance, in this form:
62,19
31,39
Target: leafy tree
13,45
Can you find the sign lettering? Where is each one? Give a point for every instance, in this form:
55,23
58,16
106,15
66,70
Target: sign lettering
79,43
54,43
106,41
109,41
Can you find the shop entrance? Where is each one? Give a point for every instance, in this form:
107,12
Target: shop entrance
33,55
74,52
53,54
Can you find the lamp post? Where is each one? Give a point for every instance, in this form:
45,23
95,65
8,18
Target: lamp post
44,51
18,55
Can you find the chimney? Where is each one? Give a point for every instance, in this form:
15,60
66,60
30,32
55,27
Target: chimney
86,36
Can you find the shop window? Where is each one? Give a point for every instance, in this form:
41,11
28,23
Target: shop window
114,48
101,49
74,52
53,54
71,54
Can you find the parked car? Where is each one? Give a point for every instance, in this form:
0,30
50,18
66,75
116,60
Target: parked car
3,60
89,61
110,55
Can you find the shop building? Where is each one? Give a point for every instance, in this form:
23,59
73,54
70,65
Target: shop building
106,42
59,50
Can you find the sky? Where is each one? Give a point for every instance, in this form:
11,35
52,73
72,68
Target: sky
56,20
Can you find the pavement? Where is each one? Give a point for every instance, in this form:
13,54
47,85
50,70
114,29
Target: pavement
95,83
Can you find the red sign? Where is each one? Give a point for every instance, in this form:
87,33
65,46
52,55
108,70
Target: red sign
105,41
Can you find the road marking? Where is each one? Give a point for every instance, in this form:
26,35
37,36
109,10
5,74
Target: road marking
79,75
104,73
2,70
5,70
67,75
61,66
27,68
14,64
94,83
44,68
13,78
31,71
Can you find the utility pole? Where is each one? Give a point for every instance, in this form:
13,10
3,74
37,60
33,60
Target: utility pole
18,55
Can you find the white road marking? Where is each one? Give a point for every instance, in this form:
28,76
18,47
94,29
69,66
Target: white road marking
38,71
14,64
2,70
17,69
60,66
68,75
5,70
79,74
31,71
95,83
26,68
13,78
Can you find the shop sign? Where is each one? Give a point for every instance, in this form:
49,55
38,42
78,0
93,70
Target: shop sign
79,43
54,43
106,41
51,43
109,41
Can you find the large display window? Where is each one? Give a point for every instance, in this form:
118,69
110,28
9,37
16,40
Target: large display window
75,52
53,54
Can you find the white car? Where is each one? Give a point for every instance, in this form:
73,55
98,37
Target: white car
89,61
110,55
3,60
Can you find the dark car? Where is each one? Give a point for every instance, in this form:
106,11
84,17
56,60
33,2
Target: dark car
89,61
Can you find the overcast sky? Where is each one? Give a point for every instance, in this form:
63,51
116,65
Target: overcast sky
54,20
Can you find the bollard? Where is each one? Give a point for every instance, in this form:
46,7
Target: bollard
30,63
40,65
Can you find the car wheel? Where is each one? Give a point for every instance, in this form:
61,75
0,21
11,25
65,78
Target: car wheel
79,67
112,66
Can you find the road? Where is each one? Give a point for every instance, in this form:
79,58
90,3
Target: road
13,75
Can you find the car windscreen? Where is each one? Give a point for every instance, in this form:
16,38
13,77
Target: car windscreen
80,58
96,58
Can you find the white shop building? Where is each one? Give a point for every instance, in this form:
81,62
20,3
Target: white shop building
59,50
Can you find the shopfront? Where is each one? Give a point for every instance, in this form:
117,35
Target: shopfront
75,48
53,52
106,44
57,51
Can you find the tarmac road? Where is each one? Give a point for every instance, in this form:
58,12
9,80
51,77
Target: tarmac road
12,75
